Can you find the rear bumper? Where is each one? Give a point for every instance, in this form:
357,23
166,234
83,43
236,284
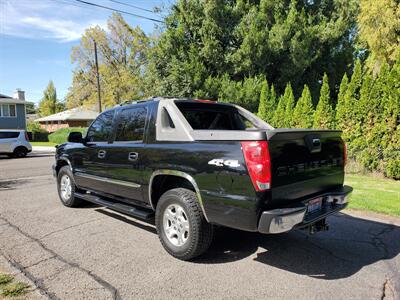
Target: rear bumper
284,219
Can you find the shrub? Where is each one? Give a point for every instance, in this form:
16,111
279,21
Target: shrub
60,136
33,126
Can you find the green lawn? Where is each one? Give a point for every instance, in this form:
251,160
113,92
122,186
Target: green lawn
374,194
49,144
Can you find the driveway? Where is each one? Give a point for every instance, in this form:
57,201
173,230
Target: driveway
95,253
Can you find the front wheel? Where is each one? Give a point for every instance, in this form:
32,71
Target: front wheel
66,188
181,226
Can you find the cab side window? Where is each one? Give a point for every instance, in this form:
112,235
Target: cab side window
131,124
101,128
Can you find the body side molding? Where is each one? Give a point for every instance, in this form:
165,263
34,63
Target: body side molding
109,180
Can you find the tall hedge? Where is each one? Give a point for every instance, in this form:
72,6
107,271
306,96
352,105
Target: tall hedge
303,114
290,103
324,115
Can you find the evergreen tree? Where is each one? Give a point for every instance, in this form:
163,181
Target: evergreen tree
264,97
279,115
340,106
245,93
271,105
303,114
324,116
351,104
289,100
388,129
284,41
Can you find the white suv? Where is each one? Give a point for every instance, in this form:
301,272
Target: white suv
14,143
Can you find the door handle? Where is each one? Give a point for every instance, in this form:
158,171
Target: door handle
101,154
133,156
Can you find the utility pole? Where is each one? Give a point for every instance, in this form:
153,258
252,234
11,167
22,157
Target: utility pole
97,76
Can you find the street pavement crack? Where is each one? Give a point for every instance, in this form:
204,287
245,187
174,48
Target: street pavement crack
57,256
377,241
387,290
69,227
39,262
36,281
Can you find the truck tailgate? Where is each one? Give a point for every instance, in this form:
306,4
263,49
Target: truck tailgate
304,163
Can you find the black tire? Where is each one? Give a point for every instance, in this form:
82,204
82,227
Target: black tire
20,152
200,231
71,200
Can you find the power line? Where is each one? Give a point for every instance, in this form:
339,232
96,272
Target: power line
131,5
120,11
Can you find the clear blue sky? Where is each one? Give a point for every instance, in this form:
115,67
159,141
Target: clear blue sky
36,37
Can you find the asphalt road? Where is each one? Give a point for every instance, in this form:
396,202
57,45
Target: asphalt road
95,253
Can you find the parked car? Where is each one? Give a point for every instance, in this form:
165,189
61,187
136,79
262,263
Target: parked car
14,143
193,164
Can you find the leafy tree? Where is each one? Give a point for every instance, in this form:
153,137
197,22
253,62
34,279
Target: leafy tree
121,54
32,126
379,23
303,114
30,108
49,104
324,115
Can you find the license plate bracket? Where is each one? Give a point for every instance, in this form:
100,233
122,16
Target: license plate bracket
314,205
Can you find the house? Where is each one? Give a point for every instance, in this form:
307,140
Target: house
76,117
12,111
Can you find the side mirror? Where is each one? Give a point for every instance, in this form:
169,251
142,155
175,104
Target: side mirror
75,137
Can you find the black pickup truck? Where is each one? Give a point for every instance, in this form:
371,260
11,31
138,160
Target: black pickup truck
193,164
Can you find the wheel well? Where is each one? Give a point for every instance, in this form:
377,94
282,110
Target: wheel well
61,163
163,183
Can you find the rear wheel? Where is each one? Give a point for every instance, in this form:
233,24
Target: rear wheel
66,188
20,152
181,226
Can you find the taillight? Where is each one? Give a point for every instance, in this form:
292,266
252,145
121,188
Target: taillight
26,136
258,163
344,154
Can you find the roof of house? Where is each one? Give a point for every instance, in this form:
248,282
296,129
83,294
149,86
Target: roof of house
10,100
75,114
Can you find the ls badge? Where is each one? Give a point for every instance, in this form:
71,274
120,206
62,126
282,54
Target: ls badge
220,162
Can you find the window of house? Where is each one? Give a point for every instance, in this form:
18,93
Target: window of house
101,128
131,124
12,110
8,110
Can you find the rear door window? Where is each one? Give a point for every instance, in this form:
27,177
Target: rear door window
9,134
101,128
131,124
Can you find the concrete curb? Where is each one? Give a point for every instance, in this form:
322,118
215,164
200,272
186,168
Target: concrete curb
43,149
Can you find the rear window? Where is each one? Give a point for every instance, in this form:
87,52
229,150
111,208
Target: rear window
214,116
9,134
